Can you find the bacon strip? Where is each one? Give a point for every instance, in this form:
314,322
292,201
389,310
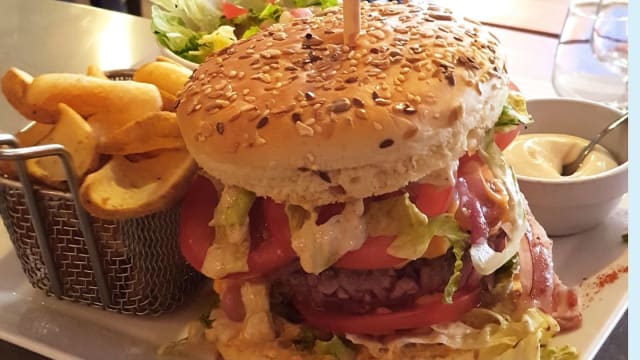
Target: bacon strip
471,209
539,282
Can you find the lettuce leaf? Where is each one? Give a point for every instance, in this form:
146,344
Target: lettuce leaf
514,112
322,3
490,334
458,246
335,348
196,15
485,259
172,32
400,217
228,253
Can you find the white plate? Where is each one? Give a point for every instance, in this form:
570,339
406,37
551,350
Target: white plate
63,330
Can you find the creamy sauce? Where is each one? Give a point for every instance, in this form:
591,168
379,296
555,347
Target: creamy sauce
543,155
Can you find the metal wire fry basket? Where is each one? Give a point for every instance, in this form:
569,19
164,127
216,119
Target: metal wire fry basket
131,266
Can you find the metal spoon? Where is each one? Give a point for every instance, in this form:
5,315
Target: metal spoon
571,167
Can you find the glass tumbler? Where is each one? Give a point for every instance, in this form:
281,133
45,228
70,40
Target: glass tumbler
582,68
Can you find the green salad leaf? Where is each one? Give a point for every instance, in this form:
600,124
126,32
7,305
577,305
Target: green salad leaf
514,112
335,348
307,3
458,246
413,230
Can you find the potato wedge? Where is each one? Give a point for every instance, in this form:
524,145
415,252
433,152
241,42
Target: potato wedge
129,187
90,95
71,131
156,131
168,101
15,85
94,71
166,76
105,123
27,136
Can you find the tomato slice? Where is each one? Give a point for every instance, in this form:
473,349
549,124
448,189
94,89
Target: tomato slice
430,199
269,251
503,139
372,255
274,249
195,213
428,310
230,10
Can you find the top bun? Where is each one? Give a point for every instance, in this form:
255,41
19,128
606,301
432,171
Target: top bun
294,114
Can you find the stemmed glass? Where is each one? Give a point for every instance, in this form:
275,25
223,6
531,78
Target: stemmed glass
585,66
610,38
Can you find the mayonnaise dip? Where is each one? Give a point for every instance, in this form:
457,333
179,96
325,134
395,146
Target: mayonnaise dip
543,155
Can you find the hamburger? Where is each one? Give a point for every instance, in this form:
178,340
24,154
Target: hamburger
354,201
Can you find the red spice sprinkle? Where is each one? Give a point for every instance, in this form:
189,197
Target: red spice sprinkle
611,277
602,280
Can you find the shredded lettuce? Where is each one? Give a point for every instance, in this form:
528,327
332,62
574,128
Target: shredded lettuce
218,39
228,253
335,348
458,246
485,259
250,32
400,217
320,246
258,324
307,3
193,29
172,32
514,112
490,334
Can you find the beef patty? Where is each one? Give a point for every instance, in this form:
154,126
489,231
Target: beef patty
361,291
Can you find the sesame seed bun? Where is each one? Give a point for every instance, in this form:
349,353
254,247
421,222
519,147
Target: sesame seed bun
294,114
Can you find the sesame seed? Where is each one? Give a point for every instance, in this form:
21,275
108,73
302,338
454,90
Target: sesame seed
260,140
222,103
324,176
295,117
284,109
361,113
357,103
220,128
340,105
385,143
309,96
262,122
451,80
377,126
245,91
382,102
304,130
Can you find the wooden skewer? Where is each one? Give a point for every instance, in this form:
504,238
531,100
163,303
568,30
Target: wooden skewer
351,10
